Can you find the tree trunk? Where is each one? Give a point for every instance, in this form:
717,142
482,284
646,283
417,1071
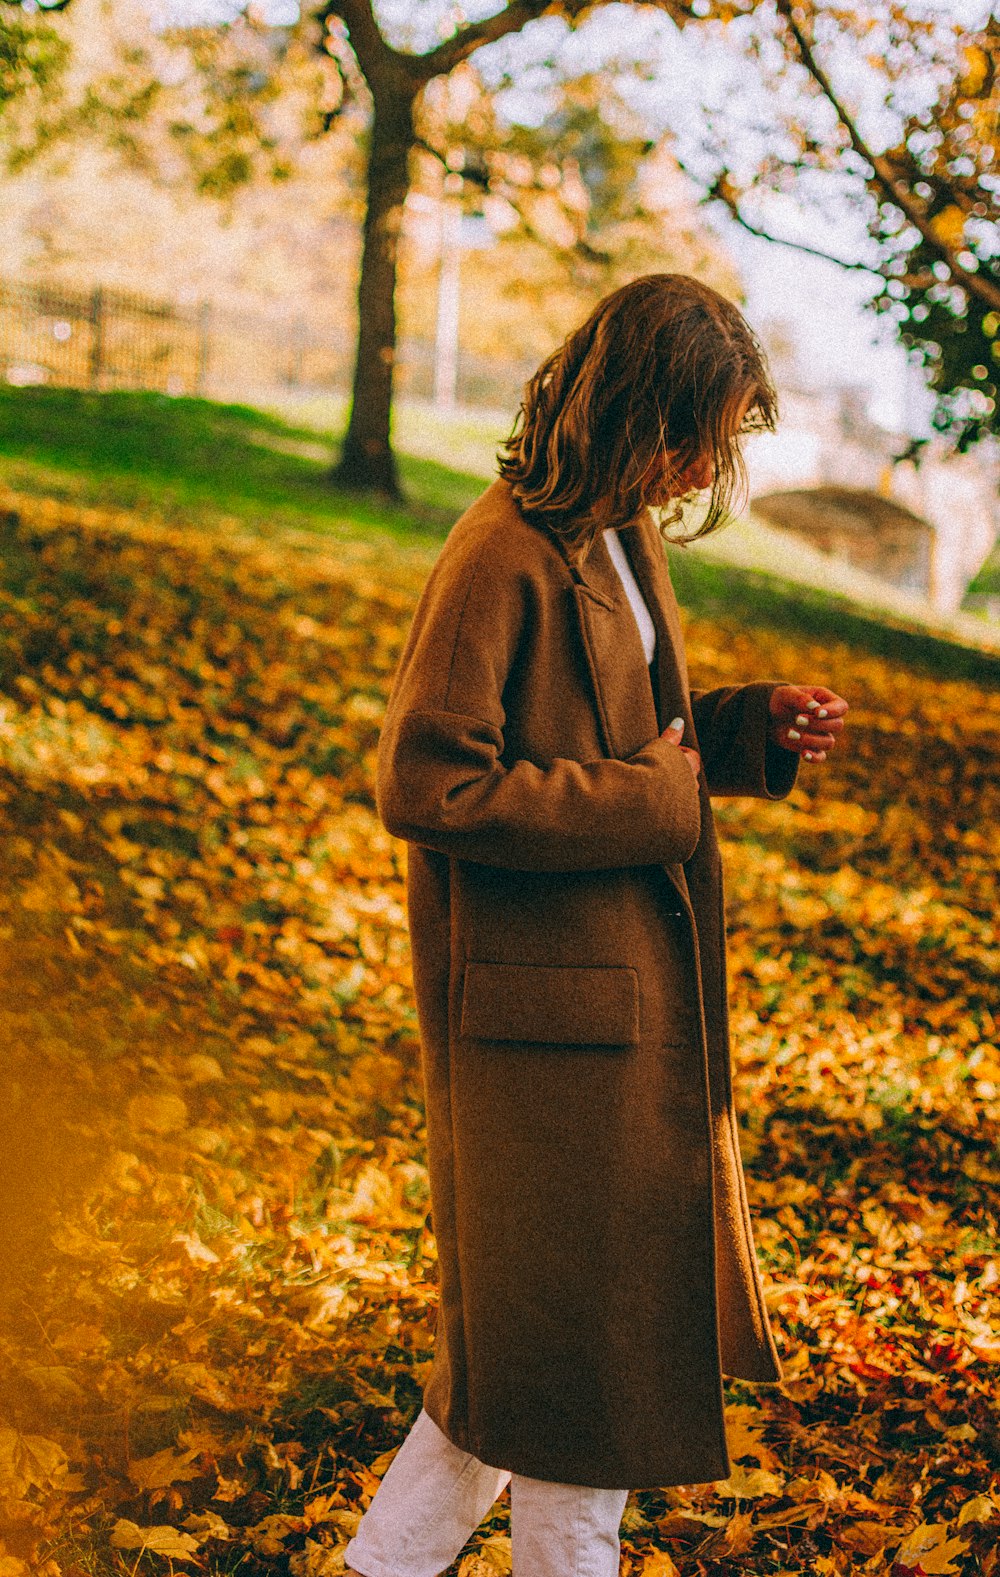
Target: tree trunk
367,460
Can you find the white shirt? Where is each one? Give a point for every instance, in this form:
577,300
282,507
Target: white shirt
636,600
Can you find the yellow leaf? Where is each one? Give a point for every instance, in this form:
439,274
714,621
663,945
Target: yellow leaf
495,1552
976,68
979,1509
744,1431
28,1461
380,1465
658,1564
930,1548
817,1486
195,1249
230,1488
203,1069
866,1538
268,1537
317,1560
321,1508
787,1516
162,1113
165,1467
198,1380
346,1522
162,1540
209,1524
750,1483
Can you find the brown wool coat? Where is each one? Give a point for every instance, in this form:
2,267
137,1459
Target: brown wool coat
596,1260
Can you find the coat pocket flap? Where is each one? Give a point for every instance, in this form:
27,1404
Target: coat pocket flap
577,1005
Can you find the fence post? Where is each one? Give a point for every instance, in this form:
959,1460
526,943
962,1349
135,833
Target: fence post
96,336
204,347
446,340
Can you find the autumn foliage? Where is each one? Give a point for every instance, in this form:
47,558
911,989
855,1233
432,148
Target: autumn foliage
219,1277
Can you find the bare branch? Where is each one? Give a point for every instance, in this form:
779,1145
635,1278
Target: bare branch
976,284
515,15
719,192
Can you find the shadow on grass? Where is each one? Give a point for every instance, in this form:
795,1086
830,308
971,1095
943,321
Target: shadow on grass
140,448
748,597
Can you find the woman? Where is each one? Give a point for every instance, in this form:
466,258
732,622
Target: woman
596,1263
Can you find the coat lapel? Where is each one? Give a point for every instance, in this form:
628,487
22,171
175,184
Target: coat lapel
613,645
615,657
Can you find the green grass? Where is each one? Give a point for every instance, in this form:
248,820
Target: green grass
181,456
204,464
751,597
470,438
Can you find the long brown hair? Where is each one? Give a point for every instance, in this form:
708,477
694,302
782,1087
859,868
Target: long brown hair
654,378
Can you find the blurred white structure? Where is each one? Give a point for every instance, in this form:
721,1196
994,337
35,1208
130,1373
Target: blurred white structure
825,438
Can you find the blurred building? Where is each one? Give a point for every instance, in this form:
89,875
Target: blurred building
831,474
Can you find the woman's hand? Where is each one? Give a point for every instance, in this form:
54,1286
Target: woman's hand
806,718
673,731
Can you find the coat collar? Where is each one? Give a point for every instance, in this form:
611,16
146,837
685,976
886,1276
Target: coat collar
612,643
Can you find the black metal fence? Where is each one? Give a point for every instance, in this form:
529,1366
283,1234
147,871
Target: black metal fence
111,339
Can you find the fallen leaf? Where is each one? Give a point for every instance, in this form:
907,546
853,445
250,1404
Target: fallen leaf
28,1461
161,1540
657,1564
316,1560
816,1486
745,1427
929,1549
164,1467
495,1552
865,1538
268,1536
209,1524
981,1508
750,1483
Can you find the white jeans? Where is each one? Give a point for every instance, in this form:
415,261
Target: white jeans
434,1496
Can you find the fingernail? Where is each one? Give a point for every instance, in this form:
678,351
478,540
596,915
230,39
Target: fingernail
793,733
813,704
807,755
678,722
821,712
802,719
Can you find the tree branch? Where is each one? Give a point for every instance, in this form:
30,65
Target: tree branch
515,15
976,284
380,64
718,191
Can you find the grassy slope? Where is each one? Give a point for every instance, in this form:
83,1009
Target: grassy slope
208,464
187,458
470,439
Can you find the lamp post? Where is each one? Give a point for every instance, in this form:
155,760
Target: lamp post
449,286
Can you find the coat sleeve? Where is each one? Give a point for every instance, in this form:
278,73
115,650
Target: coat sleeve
440,780
731,724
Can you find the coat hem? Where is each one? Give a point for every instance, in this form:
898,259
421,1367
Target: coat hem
529,1466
